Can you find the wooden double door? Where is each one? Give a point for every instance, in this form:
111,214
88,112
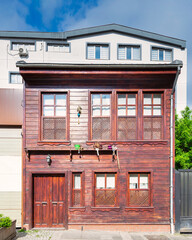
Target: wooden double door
49,201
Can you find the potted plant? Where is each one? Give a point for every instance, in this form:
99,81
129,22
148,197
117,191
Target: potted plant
7,228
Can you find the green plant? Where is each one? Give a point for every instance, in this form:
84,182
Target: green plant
5,221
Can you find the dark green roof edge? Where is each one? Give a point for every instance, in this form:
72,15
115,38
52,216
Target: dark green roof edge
94,30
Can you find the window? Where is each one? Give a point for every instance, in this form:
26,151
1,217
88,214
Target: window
139,190
105,189
101,116
57,47
30,46
161,54
126,116
54,116
98,51
77,190
129,52
16,78
152,116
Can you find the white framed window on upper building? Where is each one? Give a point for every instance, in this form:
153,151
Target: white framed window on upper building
58,47
129,52
15,78
29,46
98,51
161,54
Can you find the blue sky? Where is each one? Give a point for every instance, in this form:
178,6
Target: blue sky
168,17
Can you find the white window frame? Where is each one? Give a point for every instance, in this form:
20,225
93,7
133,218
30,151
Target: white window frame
132,47
16,74
58,44
23,44
164,51
94,45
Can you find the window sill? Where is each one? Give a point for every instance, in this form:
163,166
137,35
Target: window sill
73,209
105,209
139,209
131,142
56,142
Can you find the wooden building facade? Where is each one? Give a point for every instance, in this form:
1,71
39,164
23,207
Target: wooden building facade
96,146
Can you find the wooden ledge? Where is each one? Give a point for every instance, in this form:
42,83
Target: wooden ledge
133,142
139,209
42,143
105,209
73,209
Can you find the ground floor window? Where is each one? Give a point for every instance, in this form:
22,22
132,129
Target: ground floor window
139,189
77,193
105,189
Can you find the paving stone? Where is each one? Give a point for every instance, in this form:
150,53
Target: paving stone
136,237
157,237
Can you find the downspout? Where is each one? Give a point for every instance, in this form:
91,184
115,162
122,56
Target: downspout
171,152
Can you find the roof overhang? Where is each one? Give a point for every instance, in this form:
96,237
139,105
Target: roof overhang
153,75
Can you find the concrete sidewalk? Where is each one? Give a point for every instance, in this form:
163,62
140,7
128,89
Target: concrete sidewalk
96,235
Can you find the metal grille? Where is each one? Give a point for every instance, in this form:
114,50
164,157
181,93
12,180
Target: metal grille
152,128
76,197
101,128
127,128
105,198
54,128
139,198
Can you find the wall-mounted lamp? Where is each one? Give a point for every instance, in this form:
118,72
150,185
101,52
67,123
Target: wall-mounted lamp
79,109
48,158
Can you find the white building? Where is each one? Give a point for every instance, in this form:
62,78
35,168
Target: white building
109,44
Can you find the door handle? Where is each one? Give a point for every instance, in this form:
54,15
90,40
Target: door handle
54,202
44,202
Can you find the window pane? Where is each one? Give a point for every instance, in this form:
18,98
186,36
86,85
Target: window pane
91,52
131,99
147,110
48,111
143,181
96,111
122,111
133,181
96,99
105,111
100,181
77,181
48,99
160,54
154,54
136,53
104,52
147,99
128,52
61,111
157,99
121,99
97,52
105,99
121,53
168,55
110,181
131,111
61,99
157,110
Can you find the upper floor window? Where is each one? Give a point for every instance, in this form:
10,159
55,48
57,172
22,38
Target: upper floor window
30,46
101,116
127,116
16,78
161,54
98,51
105,189
129,52
57,47
152,116
139,190
54,112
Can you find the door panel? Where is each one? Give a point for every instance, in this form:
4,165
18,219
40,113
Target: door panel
49,199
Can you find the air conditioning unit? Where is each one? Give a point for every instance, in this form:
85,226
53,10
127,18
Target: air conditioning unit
23,53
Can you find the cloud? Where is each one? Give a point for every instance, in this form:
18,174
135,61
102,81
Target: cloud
13,16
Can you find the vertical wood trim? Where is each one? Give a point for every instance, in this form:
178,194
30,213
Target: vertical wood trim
68,116
40,97
140,114
89,116
113,116
165,113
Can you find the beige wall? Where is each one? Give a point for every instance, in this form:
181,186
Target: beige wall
10,173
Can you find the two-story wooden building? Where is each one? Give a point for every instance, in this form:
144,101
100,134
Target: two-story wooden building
97,145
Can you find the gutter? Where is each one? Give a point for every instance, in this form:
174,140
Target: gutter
171,150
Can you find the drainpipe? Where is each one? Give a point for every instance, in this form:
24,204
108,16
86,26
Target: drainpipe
171,151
